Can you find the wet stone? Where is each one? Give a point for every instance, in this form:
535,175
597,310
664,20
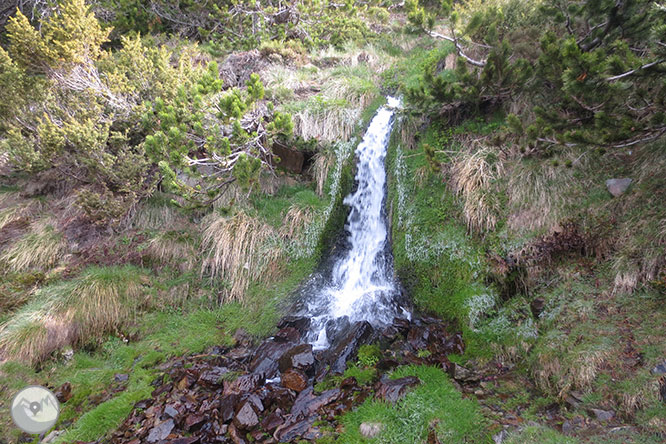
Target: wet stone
288,334
246,418
213,376
295,380
299,357
228,407
243,384
289,432
393,389
170,411
161,431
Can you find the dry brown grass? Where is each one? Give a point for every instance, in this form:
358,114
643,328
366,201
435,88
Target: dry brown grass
240,249
320,168
295,221
99,302
472,176
172,248
41,248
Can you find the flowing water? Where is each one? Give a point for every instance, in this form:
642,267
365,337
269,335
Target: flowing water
360,283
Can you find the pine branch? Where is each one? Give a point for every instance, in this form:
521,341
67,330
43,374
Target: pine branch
459,50
634,71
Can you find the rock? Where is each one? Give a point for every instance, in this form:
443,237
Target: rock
290,431
659,369
255,401
161,431
460,373
246,418
294,380
307,403
120,377
242,338
300,323
235,435
64,392
239,353
228,407
618,186
537,306
500,437
393,389
299,357
243,384
171,411
289,159
272,422
346,346
264,360
213,376
370,429
288,334
603,415
192,421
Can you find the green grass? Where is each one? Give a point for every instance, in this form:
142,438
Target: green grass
539,435
435,401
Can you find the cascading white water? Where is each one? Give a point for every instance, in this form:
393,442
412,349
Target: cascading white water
362,285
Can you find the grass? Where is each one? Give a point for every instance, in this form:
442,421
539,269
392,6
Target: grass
539,435
434,404
98,302
40,249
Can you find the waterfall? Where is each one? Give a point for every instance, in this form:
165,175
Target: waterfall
361,285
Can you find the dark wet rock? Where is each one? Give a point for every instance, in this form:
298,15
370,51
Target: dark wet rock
243,384
308,403
161,431
370,429
228,407
281,397
272,422
235,435
288,334
345,347
603,415
387,364
300,323
289,159
239,353
461,373
120,377
213,376
418,337
264,360
290,431
255,401
64,392
349,383
299,357
245,418
393,389
193,420
295,380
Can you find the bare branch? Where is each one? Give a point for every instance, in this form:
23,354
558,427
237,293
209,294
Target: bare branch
634,71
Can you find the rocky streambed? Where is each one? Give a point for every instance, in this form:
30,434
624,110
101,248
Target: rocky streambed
267,392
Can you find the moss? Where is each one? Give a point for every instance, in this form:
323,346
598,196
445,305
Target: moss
434,403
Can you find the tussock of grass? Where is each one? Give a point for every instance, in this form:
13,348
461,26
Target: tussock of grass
238,251
435,403
157,213
174,248
41,248
472,176
538,435
320,168
99,302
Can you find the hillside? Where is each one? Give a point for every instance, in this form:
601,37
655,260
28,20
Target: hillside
172,175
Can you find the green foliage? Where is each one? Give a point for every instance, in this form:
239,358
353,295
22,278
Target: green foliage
434,402
369,355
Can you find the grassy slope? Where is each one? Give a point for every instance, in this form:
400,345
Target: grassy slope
600,331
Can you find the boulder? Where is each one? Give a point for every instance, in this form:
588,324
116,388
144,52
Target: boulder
659,369
243,384
299,357
294,380
461,373
346,346
603,415
618,186
289,159
264,360
246,418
